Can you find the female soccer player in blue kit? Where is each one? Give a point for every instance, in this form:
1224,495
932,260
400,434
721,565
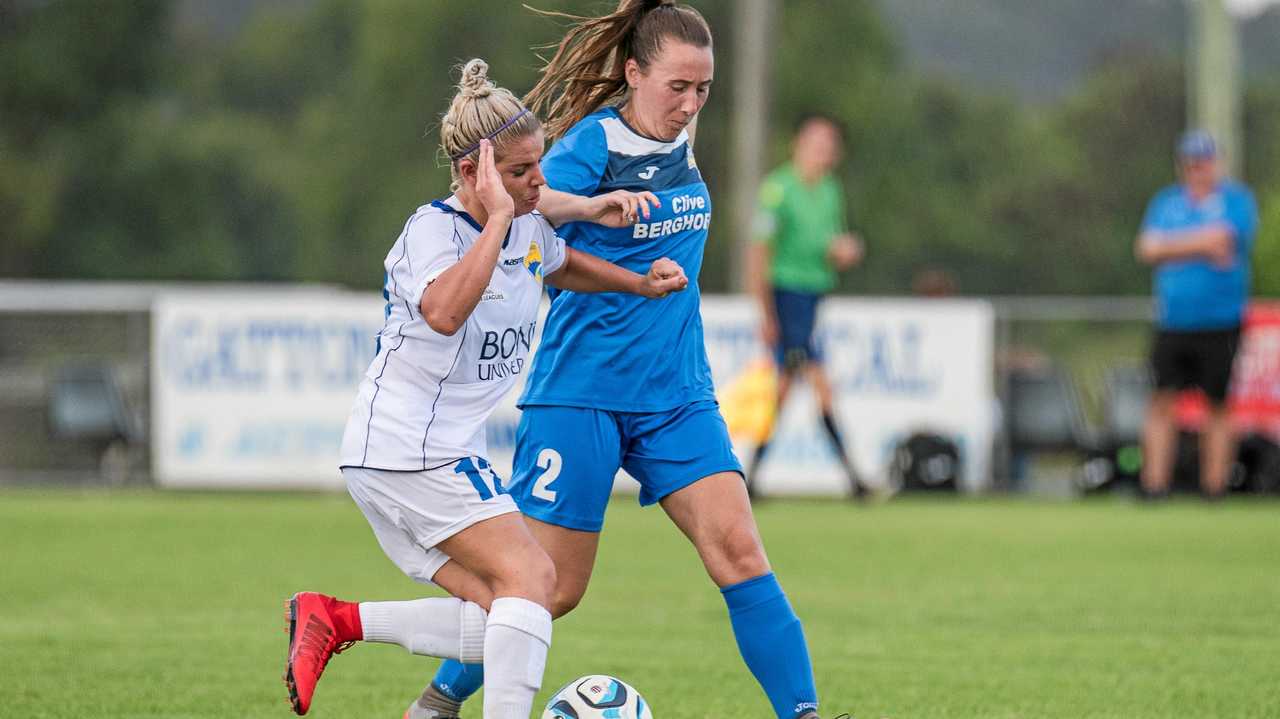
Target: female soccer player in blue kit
617,383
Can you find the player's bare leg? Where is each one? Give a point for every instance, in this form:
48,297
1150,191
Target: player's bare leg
521,569
517,634
1217,448
821,387
715,514
572,552
517,629
463,584
1159,436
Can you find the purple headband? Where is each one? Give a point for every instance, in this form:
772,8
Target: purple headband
490,136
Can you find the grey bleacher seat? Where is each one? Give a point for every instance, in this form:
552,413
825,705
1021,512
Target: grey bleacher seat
1126,393
85,403
87,417
1045,414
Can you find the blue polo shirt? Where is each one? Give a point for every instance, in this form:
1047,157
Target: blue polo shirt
1195,294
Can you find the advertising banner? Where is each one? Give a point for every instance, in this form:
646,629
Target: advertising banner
897,368
254,389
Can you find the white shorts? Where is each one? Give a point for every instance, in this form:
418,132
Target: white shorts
412,512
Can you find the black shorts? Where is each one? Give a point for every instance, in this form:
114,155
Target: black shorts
1203,360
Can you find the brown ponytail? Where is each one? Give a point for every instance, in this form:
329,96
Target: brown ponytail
588,68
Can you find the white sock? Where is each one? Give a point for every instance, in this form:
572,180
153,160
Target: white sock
516,640
446,627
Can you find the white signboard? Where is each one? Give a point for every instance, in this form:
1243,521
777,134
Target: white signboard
253,389
897,367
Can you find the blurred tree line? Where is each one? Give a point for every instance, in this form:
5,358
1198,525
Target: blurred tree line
132,147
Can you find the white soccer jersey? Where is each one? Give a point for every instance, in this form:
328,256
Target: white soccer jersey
426,396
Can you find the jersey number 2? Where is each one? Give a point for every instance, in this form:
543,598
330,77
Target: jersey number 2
549,461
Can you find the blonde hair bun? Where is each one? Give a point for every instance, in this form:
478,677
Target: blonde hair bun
475,79
481,110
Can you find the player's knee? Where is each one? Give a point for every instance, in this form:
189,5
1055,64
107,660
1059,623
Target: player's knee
567,596
542,578
480,594
741,556
529,574
565,600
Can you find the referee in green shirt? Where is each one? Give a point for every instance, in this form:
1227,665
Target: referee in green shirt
802,241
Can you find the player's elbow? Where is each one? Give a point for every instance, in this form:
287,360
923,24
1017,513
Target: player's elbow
441,321
557,279
1145,251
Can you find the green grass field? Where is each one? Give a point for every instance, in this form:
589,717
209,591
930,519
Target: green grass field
144,604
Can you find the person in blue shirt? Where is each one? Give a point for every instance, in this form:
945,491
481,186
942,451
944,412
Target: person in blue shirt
1197,235
618,384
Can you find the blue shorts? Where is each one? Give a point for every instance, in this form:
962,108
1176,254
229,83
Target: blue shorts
566,457
797,318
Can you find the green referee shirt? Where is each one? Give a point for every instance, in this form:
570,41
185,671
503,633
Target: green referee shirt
797,222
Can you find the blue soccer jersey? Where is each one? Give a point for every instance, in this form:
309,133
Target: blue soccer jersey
615,351
1195,294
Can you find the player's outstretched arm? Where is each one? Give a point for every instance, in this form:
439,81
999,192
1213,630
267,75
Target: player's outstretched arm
582,272
451,298
619,208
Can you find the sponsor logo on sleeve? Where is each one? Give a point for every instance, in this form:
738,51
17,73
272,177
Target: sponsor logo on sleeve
533,261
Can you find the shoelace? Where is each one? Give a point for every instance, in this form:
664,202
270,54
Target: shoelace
315,639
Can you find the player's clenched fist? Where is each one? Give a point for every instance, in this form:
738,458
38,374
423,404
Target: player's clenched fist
665,277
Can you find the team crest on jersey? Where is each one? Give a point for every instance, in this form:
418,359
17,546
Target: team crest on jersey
533,261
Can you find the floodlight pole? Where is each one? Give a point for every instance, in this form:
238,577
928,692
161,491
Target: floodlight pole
1214,95
753,49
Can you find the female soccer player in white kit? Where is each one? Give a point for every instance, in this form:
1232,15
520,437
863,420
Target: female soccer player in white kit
463,284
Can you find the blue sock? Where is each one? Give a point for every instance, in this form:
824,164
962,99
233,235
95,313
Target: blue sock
772,644
458,681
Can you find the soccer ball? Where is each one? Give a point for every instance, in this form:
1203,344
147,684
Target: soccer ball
597,697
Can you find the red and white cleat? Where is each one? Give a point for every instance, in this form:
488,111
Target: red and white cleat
313,640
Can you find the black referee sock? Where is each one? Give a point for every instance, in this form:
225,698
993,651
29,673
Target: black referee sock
833,432
829,422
